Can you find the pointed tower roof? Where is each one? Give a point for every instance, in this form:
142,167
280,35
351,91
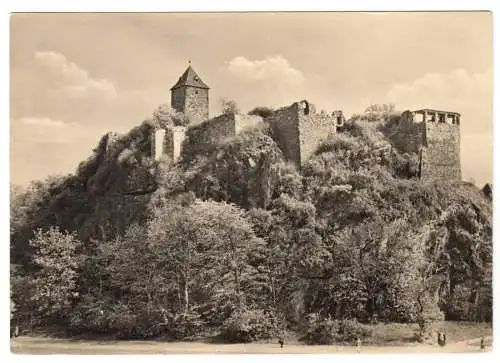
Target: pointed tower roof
190,78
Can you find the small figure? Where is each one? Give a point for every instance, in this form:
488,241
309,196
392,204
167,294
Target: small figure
281,342
483,345
358,345
442,339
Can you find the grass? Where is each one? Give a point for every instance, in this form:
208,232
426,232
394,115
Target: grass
401,334
386,339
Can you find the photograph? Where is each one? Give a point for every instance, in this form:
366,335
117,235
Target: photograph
283,182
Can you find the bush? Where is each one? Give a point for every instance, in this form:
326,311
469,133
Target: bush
327,331
351,329
185,326
245,326
322,332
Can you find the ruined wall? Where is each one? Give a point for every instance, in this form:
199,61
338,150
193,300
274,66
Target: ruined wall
157,143
243,122
407,135
438,145
314,128
299,129
174,137
440,158
285,126
202,138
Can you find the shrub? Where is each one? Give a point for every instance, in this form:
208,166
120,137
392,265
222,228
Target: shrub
244,326
351,329
322,332
325,331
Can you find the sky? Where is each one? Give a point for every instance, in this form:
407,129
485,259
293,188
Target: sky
75,77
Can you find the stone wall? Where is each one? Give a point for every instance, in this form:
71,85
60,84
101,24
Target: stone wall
314,128
243,122
157,143
177,97
407,135
437,143
191,101
440,158
298,129
174,137
201,139
285,127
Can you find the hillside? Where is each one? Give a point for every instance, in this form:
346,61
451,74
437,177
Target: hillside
239,241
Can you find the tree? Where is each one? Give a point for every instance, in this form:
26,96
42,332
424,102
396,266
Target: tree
164,116
30,210
229,106
56,279
263,112
201,241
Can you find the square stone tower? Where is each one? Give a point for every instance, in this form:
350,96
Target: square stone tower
435,136
298,129
190,96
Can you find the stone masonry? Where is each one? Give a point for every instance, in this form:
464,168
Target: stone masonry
190,96
204,137
167,142
299,129
435,136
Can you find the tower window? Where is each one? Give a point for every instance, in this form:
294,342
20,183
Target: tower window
195,91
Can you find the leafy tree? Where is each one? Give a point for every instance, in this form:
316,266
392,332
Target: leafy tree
55,281
164,116
263,112
229,106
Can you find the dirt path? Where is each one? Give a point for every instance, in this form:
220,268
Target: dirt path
34,345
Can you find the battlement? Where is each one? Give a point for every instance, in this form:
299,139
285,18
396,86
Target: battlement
299,129
434,116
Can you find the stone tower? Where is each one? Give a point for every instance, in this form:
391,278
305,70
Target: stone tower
435,136
298,129
190,96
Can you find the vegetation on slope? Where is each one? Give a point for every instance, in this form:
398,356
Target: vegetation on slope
240,242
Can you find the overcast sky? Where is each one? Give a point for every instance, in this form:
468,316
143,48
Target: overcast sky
77,76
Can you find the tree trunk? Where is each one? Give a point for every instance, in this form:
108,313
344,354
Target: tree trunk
186,298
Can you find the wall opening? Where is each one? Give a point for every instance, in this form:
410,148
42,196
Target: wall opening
441,118
418,117
305,104
431,117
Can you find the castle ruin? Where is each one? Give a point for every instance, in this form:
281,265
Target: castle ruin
435,136
298,130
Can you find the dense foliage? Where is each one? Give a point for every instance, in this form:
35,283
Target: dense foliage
239,242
